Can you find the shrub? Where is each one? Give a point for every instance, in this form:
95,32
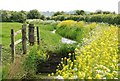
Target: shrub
34,58
66,23
33,14
105,18
74,30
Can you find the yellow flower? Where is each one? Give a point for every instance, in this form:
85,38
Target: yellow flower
98,76
52,74
80,75
89,77
48,74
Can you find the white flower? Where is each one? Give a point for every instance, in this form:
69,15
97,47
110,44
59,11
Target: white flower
104,77
98,71
114,60
59,77
115,72
108,70
115,78
75,77
75,69
95,67
118,64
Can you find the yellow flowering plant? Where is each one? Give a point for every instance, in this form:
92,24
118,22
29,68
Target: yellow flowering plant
97,58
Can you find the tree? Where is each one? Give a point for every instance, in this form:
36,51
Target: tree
33,14
5,15
58,13
22,16
106,12
42,17
48,18
98,11
18,16
80,12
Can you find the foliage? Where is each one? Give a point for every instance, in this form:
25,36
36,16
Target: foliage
39,22
97,58
58,13
105,18
65,49
34,21
80,12
20,16
74,30
42,17
34,58
67,23
10,16
5,15
33,14
49,43
47,27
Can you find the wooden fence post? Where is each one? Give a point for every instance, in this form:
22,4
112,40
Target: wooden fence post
31,34
38,36
12,44
24,38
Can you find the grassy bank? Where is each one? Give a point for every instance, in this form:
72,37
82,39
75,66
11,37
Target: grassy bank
75,30
27,64
97,58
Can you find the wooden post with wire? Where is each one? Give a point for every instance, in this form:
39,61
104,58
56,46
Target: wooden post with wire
38,36
24,38
12,44
31,34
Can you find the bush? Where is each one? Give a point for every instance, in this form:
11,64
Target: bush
33,14
34,58
105,18
74,30
13,16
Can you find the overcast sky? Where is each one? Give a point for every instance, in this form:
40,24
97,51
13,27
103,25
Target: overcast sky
59,5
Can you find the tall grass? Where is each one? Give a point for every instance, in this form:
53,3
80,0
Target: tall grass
74,30
35,57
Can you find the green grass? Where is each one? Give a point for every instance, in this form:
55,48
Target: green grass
75,30
6,50
52,42
49,43
46,27
49,40
6,28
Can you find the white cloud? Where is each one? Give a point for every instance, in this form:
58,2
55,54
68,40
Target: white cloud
59,5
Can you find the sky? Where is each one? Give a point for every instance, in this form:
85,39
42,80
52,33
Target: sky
60,5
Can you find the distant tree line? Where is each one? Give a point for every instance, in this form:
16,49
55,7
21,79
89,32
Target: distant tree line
79,15
98,16
20,16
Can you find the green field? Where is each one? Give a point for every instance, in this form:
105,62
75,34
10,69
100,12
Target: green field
6,28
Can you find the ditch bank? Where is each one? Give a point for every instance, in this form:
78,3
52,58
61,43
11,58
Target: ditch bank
50,65
37,66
